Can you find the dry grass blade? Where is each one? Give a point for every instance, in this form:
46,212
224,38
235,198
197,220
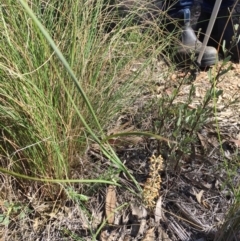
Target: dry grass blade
111,199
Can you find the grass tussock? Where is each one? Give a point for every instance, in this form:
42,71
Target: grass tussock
43,115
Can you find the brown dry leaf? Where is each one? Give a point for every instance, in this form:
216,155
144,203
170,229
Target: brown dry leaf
203,141
236,142
199,196
111,199
158,210
150,235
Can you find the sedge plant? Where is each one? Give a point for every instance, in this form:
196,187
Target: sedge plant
62,82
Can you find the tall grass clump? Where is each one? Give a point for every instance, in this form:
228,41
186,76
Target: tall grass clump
230,228
46,119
